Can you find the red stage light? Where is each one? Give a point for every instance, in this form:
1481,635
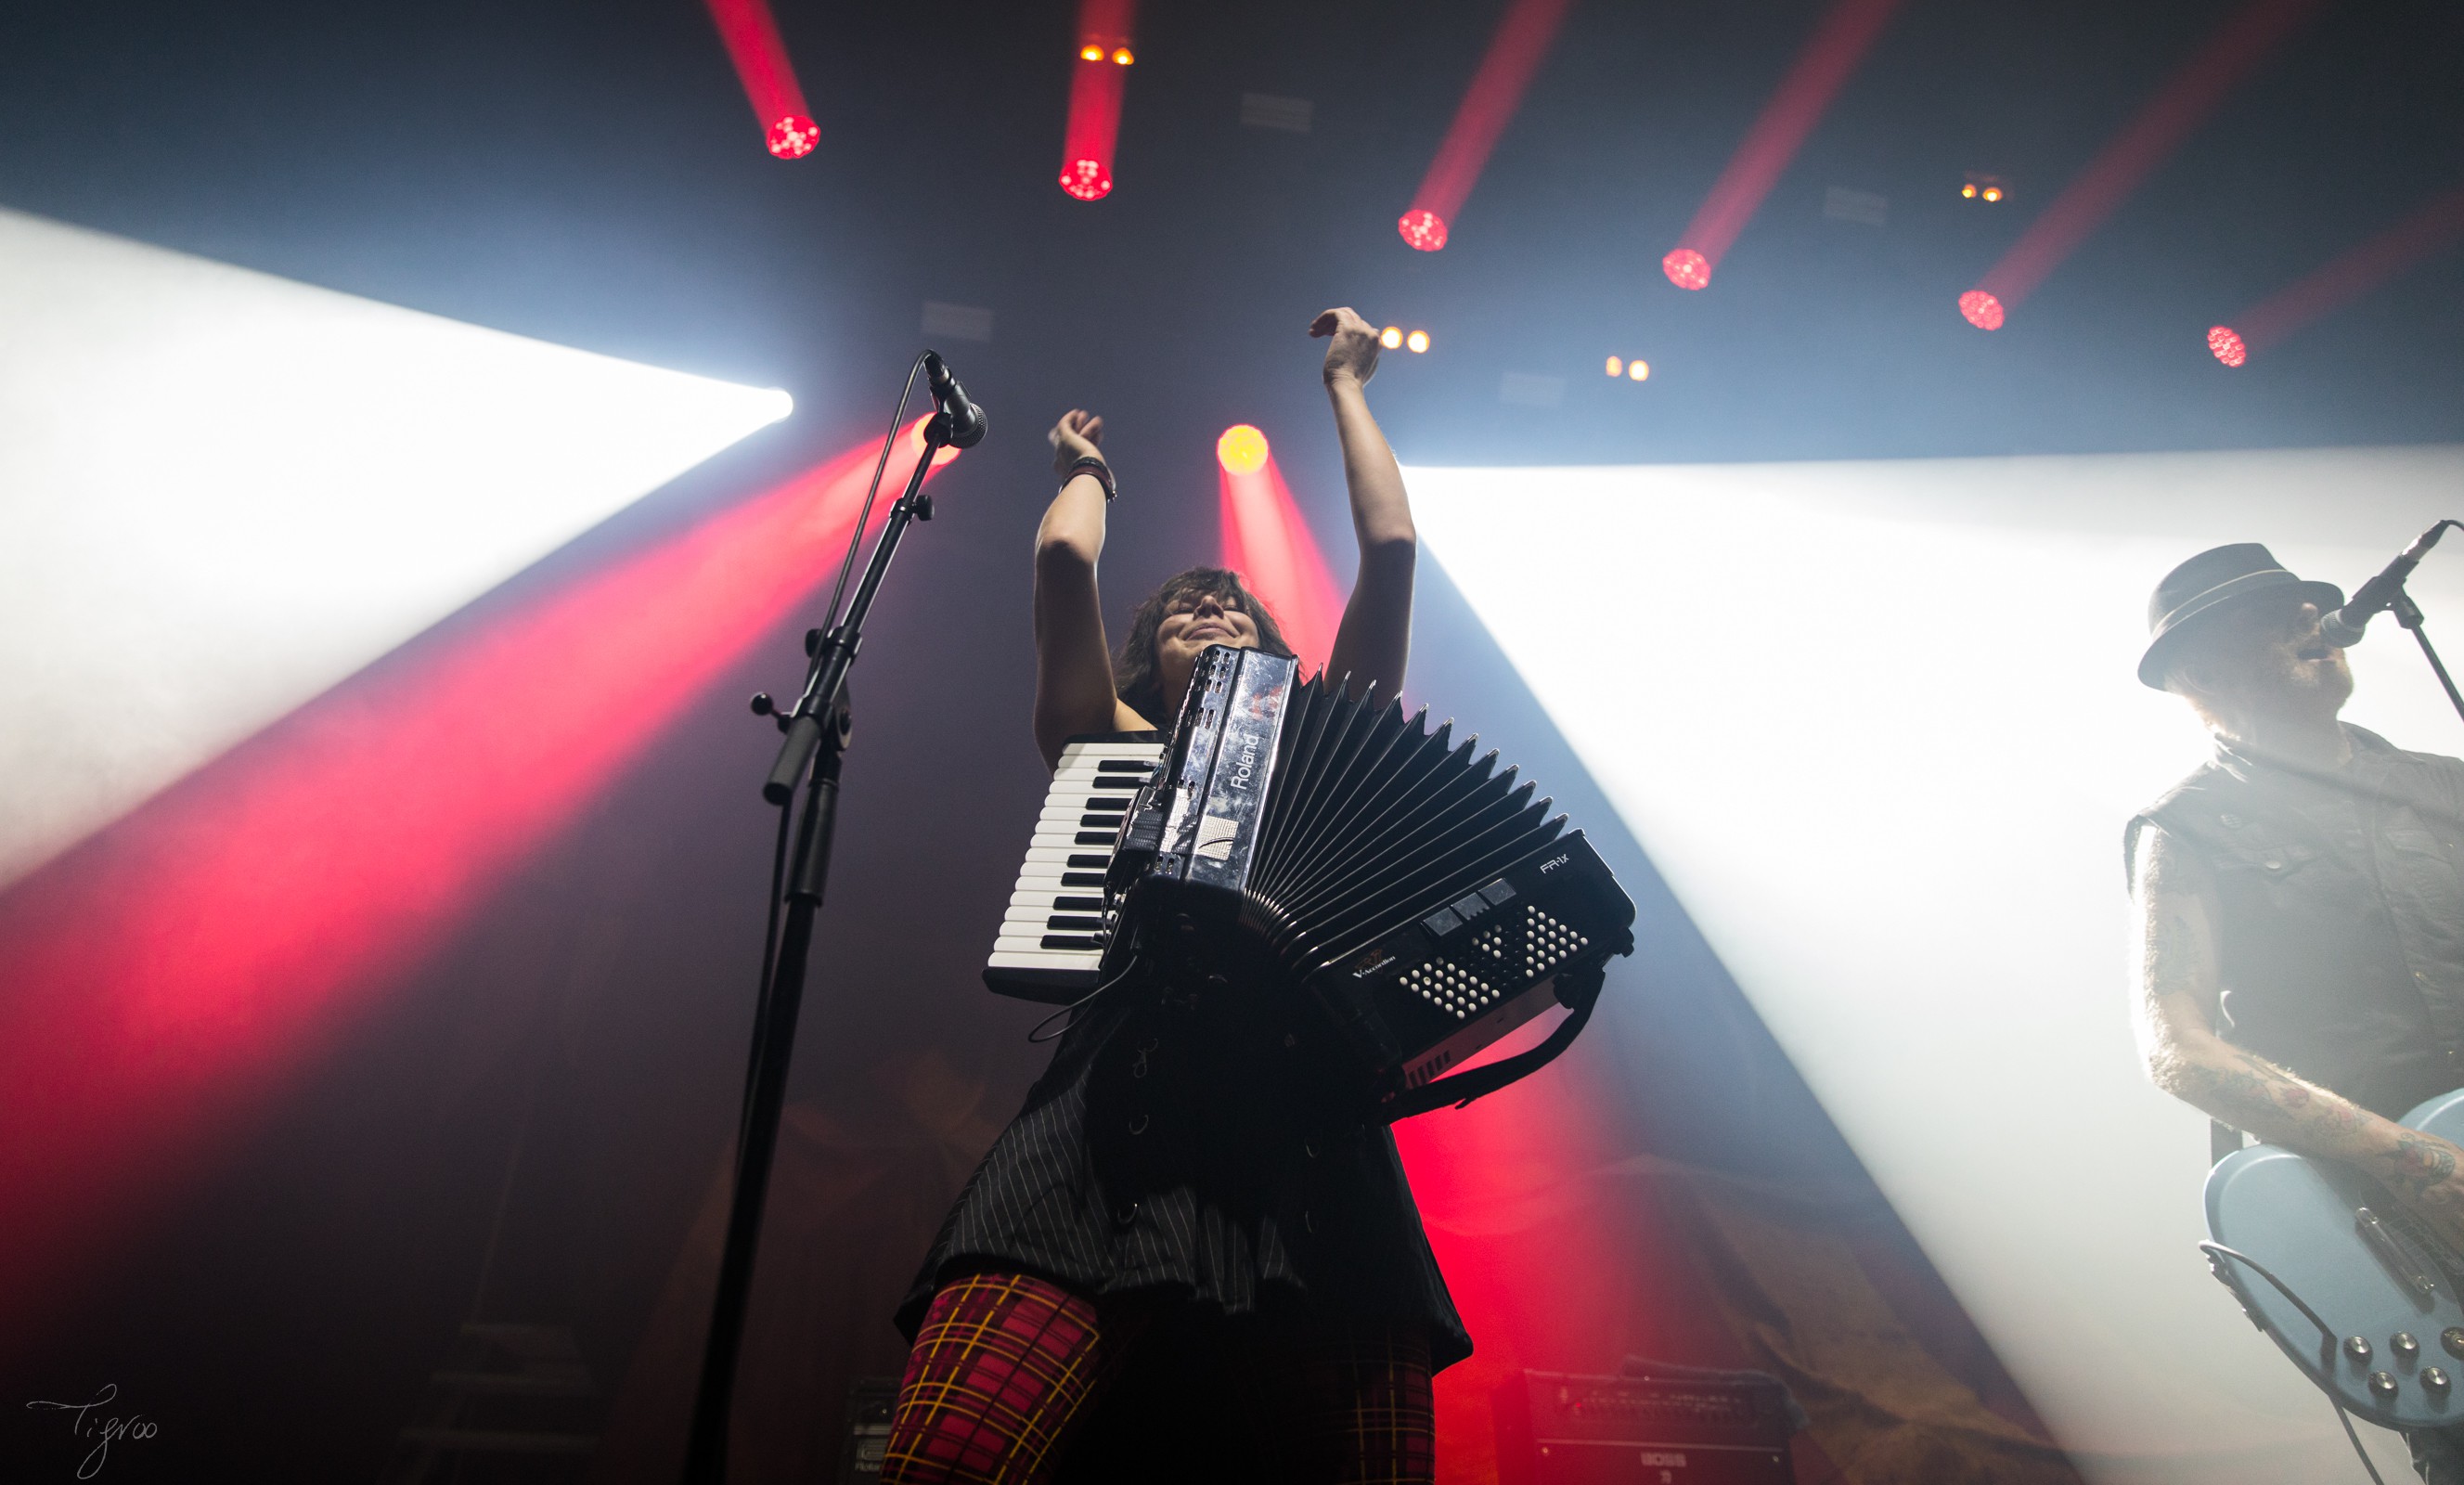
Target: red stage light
1268,540
750,35
794,136
165,974
1523,38
2227,346
1087,180
2430,228
1686,269
1242,450
1095,81
1424,229
2180,106
1508,1189
1981,309
1822,68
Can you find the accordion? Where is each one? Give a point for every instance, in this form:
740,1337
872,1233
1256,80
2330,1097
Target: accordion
1331,847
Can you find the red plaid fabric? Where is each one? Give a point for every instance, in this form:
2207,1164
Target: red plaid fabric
1367,1397
1005,1364
1001,1365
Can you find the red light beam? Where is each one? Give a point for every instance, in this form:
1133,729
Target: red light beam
751,34
2180,106
1824,66
1523,38
1508,1189
170,972
1105,52
1266,539
2436,225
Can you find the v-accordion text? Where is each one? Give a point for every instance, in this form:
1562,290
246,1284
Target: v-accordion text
1308,842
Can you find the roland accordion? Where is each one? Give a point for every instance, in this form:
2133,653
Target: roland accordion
1324,847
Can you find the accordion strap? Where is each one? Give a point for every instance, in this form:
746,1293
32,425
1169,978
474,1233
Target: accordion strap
1577,991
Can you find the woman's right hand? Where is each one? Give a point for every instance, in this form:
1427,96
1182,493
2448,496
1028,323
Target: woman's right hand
1075,437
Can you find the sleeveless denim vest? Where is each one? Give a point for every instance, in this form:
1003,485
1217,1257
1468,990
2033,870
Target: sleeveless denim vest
2342,912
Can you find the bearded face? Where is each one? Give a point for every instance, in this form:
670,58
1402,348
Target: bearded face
2264,659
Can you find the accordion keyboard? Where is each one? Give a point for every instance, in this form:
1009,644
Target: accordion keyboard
1054,936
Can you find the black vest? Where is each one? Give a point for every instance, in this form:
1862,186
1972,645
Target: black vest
2343,913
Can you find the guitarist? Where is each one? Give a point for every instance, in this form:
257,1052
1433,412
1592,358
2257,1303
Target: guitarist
2299,907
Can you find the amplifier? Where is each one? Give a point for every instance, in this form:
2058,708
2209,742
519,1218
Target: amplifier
1558,1430
870,1403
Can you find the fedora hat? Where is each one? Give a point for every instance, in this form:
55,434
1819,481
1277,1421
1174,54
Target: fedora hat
2212,583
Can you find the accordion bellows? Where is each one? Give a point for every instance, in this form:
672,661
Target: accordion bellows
1412,886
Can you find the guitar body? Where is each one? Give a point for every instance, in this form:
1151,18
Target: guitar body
2337,1239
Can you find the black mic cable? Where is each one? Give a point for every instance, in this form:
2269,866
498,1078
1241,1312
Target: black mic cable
2343,627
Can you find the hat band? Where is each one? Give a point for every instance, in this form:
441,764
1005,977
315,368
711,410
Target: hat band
2218,593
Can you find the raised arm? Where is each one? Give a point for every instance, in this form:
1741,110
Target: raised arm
1375,640
1074,665
2179,985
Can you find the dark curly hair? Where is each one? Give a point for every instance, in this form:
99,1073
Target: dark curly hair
1134,677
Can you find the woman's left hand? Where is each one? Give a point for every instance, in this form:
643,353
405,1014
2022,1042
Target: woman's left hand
1352,354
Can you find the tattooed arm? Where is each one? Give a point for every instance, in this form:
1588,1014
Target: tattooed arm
2179,983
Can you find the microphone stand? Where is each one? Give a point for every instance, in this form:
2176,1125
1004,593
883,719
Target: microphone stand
2407,613
817,729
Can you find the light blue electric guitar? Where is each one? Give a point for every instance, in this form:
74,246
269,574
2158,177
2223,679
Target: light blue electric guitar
2348,1282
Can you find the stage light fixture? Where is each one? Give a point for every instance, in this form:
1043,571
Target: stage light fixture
1424,229
2227,346
793,136
1098,78
750,33
1823,66
1637,370
2432,227
1417,341
1981,309
1992,193
1515,51
1087,180
1969,190
2185,99
1242,450
1392,338
1617,367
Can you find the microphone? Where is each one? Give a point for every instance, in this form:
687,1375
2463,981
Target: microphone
2344,627
966,419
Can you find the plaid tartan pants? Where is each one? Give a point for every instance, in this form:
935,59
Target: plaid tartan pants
1017,1380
